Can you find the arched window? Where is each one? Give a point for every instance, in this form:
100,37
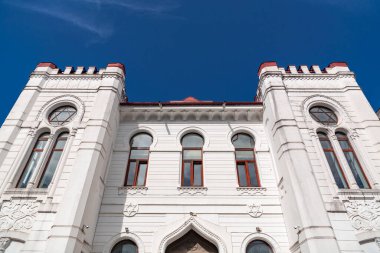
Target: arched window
52,163
138,160
192,166
33,160
323,115
258,246
126,246
333,162
246,166
352,161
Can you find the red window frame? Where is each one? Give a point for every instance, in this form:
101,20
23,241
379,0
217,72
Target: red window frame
192,162
246,162
350,149
137,168
42,137
60,137
331,150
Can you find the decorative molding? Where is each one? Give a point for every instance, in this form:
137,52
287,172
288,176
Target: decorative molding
131,208
133,190
4,243
192,222
18,215
192,190
251,190
364,215
255,210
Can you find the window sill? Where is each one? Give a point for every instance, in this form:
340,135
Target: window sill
358,194
192,190
27,193
132,190
251,190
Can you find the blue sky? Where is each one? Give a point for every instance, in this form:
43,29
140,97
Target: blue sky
176,48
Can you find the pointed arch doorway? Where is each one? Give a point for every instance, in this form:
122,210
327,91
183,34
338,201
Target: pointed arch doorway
191,242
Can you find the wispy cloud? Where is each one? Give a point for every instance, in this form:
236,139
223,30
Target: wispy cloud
86,18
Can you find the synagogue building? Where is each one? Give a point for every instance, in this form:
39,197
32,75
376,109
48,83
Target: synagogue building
85,170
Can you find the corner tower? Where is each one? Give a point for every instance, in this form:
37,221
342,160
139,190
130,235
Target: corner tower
55,149
322,213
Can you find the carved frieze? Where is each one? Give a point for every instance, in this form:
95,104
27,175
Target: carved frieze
192,190
250,191
364,215
18,214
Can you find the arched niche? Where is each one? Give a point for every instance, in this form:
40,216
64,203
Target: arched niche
191,242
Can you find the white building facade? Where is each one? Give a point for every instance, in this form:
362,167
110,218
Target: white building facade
82,169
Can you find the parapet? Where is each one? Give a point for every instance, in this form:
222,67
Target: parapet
332,68
51,69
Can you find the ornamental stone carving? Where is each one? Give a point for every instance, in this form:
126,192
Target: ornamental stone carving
18,215
251,190
255,210
364,215
192,191
4,243
131,209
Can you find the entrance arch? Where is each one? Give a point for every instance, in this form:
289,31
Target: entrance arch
191,242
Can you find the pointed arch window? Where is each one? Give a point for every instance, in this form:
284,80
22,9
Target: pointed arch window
246,166
33,160
258,246
192,164
138,160
125,246
54,158
352,161
333,162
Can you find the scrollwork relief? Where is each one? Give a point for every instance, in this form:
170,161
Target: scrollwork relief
364,215
18,215
131,209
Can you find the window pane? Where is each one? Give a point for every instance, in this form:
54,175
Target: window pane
326,144
192,155
197,174
126,246
142,140
252,175
244,155
29,169
243,141
336,170
139,154
142,174
60,144
323,115
192,141
131,173
242,175
186,174
258,247
356,170
344,145
62,115
50,169
41,144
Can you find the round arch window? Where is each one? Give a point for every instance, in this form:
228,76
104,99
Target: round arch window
258,246
126,246
323,115
62,115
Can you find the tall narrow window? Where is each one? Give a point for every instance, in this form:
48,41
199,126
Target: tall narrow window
335,167
246,167
52,163
34,158
138,160
352,161
192,167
